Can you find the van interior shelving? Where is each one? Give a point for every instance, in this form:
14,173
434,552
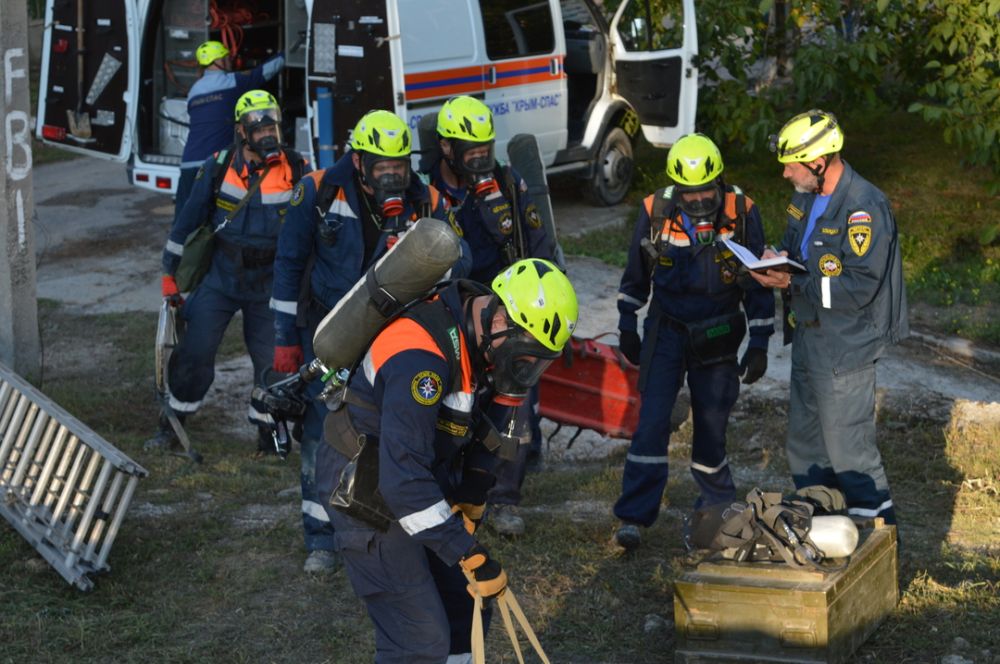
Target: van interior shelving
258,29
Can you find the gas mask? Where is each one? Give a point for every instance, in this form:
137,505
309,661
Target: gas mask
477,171
267,147
514,366
702,210
389,187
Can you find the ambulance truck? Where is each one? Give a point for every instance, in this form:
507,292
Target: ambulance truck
115,74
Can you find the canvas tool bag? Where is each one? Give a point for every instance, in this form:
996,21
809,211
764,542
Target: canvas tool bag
199,245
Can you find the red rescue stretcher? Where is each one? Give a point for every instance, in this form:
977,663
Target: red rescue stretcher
592,387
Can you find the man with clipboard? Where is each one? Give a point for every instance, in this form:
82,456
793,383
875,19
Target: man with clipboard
840,315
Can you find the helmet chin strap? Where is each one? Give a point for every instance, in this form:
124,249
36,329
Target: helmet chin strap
820,174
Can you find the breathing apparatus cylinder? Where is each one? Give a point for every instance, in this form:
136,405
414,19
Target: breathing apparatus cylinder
835,535
421,258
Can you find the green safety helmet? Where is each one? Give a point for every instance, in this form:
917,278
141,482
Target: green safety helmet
209,52
467,119
382,133
807,137
539,299
694,160
257,107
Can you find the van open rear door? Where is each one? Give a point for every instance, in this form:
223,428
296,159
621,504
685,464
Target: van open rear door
87,93
354,65
653,44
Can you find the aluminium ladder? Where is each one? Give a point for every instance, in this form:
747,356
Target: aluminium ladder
63,487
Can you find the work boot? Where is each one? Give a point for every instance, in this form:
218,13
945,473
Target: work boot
165,439
505,521
321,561
628,536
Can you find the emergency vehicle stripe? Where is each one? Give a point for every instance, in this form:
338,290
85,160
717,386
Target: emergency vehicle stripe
448,82
420,521
824,284
631,300
636,458
445,82
341,207
760,322
860,511
315,510
175,248
285,306
708,470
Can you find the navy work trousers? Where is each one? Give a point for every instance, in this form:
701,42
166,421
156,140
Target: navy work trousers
419,606
315,521
207,313
714,389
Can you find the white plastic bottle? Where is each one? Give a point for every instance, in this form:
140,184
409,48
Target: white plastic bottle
836,536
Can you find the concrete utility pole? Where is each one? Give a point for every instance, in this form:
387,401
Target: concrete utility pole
19,344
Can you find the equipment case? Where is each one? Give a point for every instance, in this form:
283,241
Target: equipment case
770,612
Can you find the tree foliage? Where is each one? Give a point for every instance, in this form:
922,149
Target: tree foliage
761,62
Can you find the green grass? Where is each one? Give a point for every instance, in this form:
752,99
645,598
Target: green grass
944,209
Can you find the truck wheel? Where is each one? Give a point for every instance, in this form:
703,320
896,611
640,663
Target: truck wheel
613,169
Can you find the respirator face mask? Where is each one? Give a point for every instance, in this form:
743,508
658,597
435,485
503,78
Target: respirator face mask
267,146
478,170
701,209
515,365
389,185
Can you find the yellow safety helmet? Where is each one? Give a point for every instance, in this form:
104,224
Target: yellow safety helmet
382,133
694,160
466,118
807,137
539,299
209,52
257,107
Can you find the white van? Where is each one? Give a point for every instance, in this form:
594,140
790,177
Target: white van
553,68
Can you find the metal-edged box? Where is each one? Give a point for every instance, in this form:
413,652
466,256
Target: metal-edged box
770,612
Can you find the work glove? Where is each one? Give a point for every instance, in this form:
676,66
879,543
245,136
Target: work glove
490,578
472,515
753,365
629,345
168,286
288,359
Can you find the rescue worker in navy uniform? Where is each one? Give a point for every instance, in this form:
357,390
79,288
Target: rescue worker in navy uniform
420,395
502,225
840,316
367,198
255,180
694,327
210,104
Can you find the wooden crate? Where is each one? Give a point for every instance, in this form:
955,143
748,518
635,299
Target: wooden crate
769,612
